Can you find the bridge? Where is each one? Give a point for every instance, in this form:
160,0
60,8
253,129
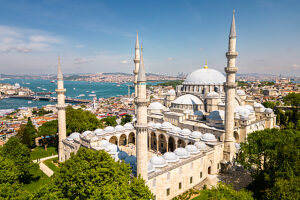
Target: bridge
48,98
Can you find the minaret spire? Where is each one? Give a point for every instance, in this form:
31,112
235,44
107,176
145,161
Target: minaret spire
136,61
230,90
61,112
142,74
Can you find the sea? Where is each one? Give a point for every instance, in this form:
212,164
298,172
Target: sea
74,89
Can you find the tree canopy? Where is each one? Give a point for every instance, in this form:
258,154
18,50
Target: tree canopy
125,119
27,133
292,99
273,157
94,175
109,121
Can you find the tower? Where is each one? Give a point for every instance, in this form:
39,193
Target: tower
230,89
61,112
136,61
141,125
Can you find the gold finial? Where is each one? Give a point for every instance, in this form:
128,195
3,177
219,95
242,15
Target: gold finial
205,67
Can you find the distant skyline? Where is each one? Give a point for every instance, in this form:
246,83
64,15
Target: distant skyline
177,36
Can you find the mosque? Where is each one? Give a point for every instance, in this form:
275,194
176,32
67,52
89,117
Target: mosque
176,144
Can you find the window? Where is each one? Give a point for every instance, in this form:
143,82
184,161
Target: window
179,186
168,191
191,179
200,174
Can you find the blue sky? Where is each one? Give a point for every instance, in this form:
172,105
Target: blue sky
178,36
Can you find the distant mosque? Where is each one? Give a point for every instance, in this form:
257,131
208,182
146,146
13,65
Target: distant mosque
177,143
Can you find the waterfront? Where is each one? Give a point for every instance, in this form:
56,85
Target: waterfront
74,89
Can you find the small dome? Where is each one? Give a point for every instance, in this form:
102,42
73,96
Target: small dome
182,152
73,136
201,145
150,124
93,139
171,92
99,131
151,168
104,143
109,129
212,94
196,134
112,148
205,77
208,137
122,155
131,160
240,92
156,106
242,110
244,117
166,125
158,161
188,99
170,157
258,105
119,128
128,126
250,108
85,133
157,125
217,115
175,129
185,132
198,113
269,110
192,149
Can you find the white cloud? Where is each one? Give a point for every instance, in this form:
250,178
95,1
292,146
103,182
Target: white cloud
124,61
42,38
170,58
79,61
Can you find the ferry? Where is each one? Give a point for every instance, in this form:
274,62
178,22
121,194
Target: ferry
29,102
43,89
92,95
81,95
93,92
53,81
118,85
74,88
38,87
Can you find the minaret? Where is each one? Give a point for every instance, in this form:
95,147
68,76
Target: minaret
141,125
61,110
137,65
230,89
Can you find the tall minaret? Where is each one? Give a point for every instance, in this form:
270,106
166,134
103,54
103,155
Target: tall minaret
61,110
230,88
141,125
137,65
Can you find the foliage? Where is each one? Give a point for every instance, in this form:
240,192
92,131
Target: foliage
41,112
172,83
242,84
48,128
40,152
19,154
109,121
187,195
83,174
27,133
79,120
9,172
292,99
125,119
272,156
288,118
224,192
269,104
266,83
13,192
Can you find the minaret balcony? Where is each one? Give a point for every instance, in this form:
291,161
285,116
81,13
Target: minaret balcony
61,107
141,101
136,60
60,91
230,70
231,54
230,85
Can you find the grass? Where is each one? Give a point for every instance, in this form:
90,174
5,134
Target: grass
39,179
39,152
51,165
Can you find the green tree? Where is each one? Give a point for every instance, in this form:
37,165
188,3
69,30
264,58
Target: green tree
109,121
27,133
272,156
9,172
48,128
269,104
125,119
94,175
14,191
292,99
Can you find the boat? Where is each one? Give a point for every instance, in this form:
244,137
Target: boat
53,81
81,95
93,92
29,102
44,89
118,85
92,95
38,87
74,88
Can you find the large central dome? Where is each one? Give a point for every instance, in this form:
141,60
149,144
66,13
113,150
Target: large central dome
205,77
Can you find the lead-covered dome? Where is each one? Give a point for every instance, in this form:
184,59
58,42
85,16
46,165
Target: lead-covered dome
99,131
170,157
217,115
187,99
192,149
182,152
128,126
166,125
109,129
204,77
73,136
201,145
196,134
156,106
208,137
158,161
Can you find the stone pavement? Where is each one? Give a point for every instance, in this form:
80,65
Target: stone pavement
44,167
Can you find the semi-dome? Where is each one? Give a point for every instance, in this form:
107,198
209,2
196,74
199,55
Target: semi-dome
196,134
212,94
192,149
122,155
171,92
109,129
217,115
250,108
85,133
176,129
240,92
119,128
150,167
156,106
158,161
99,131
268,110
182,152
208,137
170,157
204,77
166,125
185,132
201,145
188,99
128,126
73,136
